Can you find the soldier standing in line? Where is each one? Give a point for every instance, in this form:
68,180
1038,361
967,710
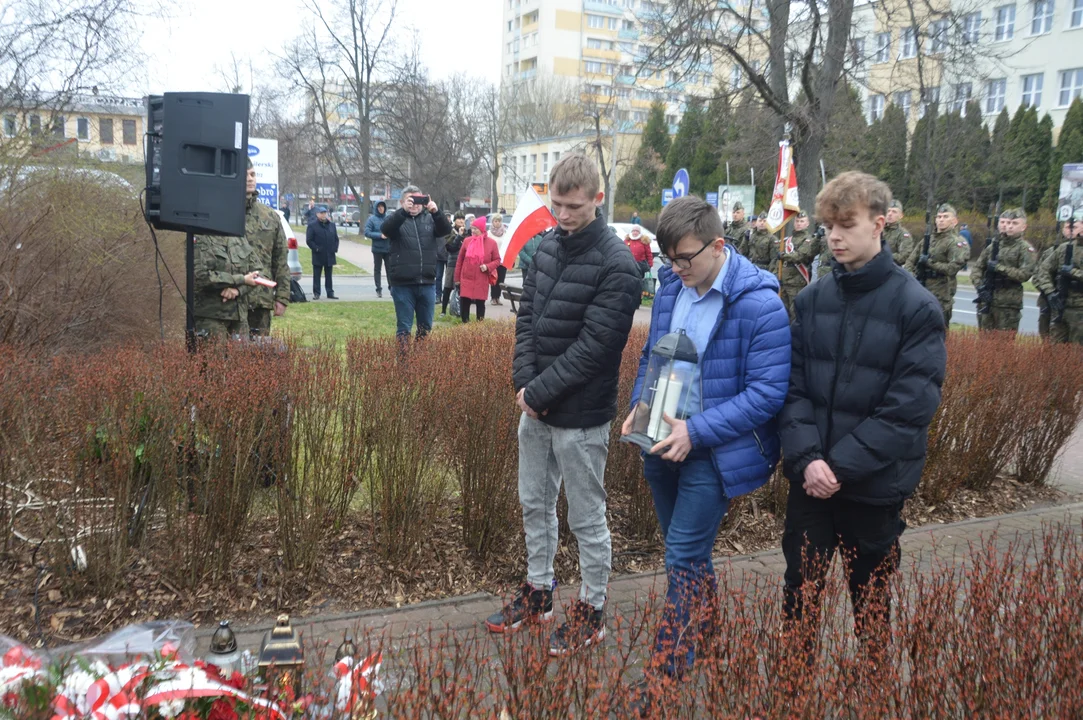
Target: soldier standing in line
1044,316
1014,265
224,276
796,261
738,226
821,250
948,253
263,231
1068,328
760,248
895,236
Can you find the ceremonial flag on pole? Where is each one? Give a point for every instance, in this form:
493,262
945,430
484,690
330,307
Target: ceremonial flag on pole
531,217
784,204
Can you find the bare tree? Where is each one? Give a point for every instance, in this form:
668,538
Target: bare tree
606,120
687,35
337,64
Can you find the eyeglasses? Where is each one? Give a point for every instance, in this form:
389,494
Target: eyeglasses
682,263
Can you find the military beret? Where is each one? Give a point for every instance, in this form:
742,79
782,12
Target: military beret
895,204
802,214
738,206
1014,214
945,208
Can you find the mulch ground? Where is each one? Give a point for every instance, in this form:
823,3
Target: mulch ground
42,605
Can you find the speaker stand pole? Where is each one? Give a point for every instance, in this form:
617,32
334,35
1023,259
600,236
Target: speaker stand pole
190,290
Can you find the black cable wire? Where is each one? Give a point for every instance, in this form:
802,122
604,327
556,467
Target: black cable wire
158,255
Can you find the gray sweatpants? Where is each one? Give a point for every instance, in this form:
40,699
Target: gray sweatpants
547,456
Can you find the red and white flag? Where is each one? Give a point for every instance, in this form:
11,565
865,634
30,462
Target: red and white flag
530,218
784,204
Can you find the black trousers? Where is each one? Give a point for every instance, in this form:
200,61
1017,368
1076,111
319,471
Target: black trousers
327,279
464,308
445,300
379,261
868,536
501,274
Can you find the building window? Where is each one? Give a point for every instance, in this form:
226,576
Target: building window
628,25
938,36
857,52
594,44
1005,29
624,92
9,125
883,47
876,107
1042,22
735,77
932,96
1032,90
595,21
593,67
58,126
1077,14
908,43
534,167
545,165
610,69
128,127
902,101
962,97
972,27
1071,85
613,23
994,95
35,124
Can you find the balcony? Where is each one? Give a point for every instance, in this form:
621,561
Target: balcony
628,34
528,74
626,79
601,8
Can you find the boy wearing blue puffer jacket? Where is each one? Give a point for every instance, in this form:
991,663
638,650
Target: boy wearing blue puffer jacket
729,443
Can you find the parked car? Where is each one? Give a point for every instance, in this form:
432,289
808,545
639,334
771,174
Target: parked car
623,229
347,215
292,260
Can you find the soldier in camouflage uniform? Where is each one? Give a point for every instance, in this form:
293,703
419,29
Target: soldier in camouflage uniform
895,236
761,250
224,277
1044,315
821,250
1014,265
798,254
263,231
1070,327
739,225
948,253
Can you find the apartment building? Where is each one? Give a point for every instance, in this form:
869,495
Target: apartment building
1002,53
106,128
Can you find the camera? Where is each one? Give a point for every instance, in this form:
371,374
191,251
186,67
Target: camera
422,200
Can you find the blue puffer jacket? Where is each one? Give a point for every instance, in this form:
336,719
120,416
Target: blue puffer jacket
745,373
373,226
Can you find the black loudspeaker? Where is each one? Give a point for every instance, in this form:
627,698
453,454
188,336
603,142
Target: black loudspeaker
196,165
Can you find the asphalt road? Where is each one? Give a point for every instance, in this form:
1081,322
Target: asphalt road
964,311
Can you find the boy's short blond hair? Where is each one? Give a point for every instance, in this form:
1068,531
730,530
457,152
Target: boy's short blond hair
575,172
847,193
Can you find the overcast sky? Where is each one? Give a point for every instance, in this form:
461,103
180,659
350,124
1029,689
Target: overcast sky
184,49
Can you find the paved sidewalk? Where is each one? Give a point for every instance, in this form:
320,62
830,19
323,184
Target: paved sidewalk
927,547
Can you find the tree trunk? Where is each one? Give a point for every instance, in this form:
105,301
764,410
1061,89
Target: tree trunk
806,158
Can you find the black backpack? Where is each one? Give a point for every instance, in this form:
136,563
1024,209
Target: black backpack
297,295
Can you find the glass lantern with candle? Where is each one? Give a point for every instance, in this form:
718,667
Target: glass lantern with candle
666,389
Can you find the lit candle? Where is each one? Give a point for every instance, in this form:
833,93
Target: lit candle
666,396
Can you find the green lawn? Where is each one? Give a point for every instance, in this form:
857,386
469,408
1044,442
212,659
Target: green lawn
341,266
340,320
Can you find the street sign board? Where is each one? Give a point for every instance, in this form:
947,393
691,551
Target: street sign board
712,199
1070,196
263,153
680,183
667,196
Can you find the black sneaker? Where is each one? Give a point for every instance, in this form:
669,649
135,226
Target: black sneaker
584,627
529,605
315,296
379,293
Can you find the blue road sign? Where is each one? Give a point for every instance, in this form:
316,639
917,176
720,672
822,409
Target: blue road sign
712,199
667,195
680,183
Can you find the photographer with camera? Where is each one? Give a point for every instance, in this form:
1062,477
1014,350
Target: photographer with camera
415,232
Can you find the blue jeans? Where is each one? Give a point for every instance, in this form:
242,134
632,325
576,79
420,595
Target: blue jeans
410,301
690,502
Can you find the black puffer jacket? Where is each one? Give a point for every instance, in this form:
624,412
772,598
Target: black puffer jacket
576,311
867,367
414,240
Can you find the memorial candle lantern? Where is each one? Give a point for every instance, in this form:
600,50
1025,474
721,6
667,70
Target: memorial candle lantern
666,389
281,658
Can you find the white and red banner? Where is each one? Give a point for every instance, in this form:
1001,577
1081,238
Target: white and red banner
784,204
530,218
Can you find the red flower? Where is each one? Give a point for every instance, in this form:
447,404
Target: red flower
236,681
222,710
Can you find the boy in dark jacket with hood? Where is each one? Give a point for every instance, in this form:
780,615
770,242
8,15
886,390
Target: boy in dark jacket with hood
728,445
868,364
381,246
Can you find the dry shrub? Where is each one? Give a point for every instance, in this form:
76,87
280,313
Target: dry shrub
77,263
996,637
1049,413
479,421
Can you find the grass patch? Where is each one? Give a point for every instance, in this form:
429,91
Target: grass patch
342,267
340,320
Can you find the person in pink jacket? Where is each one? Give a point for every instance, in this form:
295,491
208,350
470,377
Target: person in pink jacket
476,270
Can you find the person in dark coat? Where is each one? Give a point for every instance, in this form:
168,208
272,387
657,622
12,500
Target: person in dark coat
453,245
381,246
868,364
574,318
322,237
415,232
286,212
